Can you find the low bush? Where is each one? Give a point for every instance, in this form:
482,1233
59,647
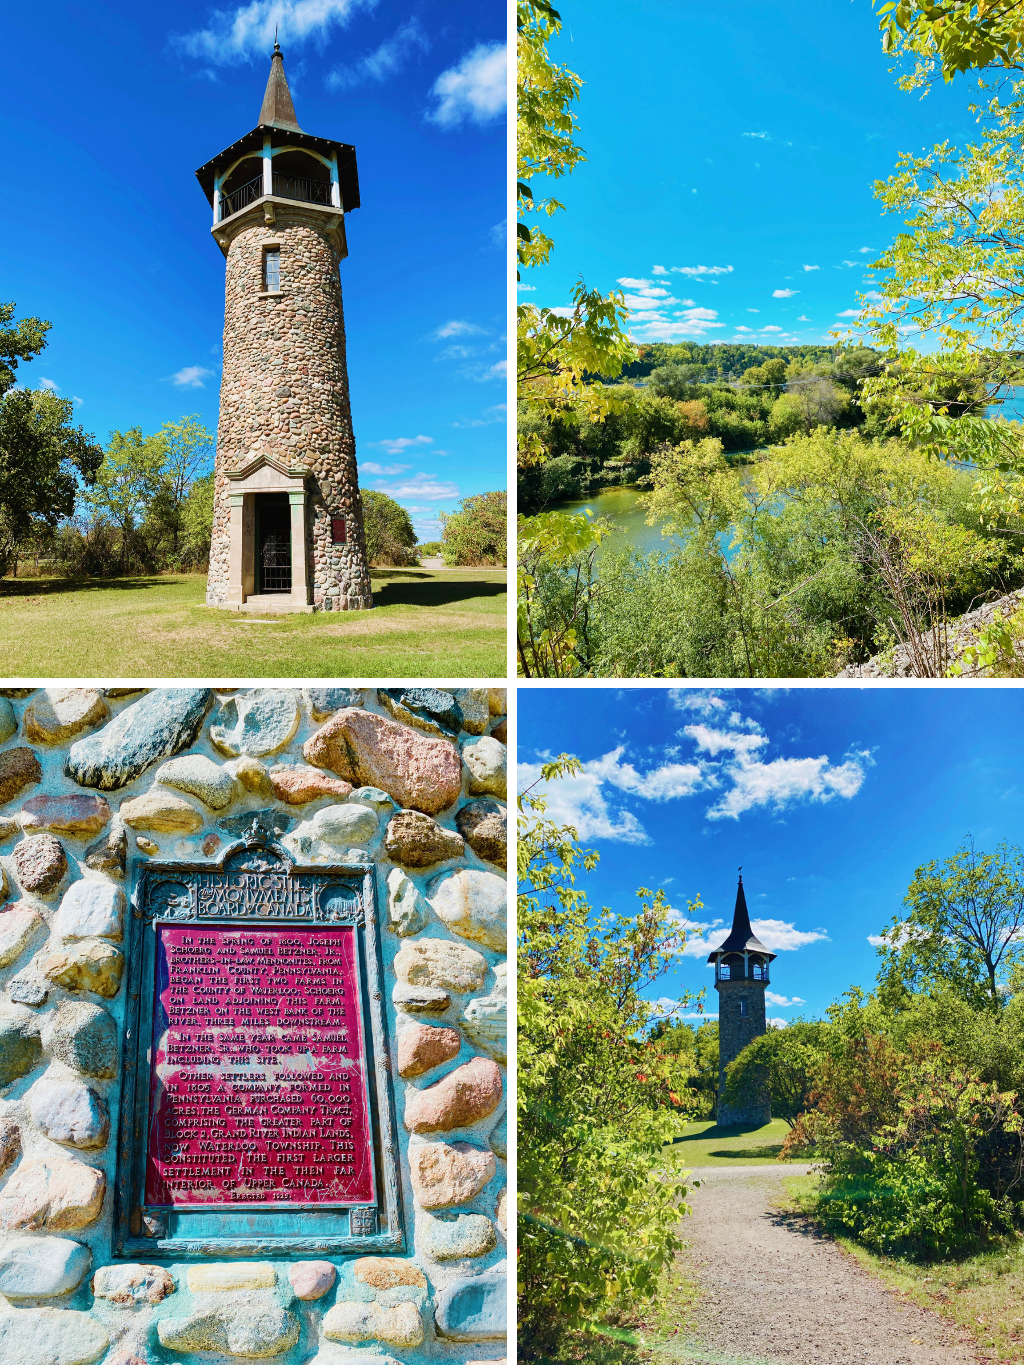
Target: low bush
477,534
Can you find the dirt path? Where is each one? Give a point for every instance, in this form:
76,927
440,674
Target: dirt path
775,1293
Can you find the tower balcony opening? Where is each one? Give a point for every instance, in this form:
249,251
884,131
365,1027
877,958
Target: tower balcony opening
285,187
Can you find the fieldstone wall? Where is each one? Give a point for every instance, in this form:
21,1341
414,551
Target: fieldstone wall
94,783
284,393
735,1031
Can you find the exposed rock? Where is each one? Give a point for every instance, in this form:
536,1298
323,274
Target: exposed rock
463,1097
201,777
473,905
501,1211
483,825
420,1000
42,1267
397,1326
40,863
439,963
77,816
324,701
485,1020
131,1284
447,1173
109,854
420,772
473,1308
52,1194
146,846
374,798
51,1336
84,1037
21,1050
417,841
90,909
428,708
253,1329
497,701
226,1275
457,1237
476,708
19,768
312,1279
57,714
89,964
160,724
252,775
408,912
8,721
69,1112
257,723
116,693
16,691
500,731
9,827
266,825
385,1272
421,1047
486,760
297,784
18,923
345,826
10,1143
25,989
162,813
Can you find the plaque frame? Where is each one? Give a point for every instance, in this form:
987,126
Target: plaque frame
141,1233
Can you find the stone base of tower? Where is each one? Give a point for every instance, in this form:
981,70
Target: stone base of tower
747,1116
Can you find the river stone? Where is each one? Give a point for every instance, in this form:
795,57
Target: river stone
457,1237
497,701
77,816
476,709
485,1021
447,1173
312,1279
18,924
500,731
40,863
19,768
415,840
397,1326
473,904
324,701
146,846
8,721
51,1336
70,1112
408,912
252,774
132,1284
109,854
486,760
345,826
473,1308
421,1047
10,1143
297,785
378,801
25,989
439,963
162,813
89,964
84,1037
42,1267
90,909
420,1000
497,1139
483,825
160,724
51,1194
384,1273
199,776
257,723
418,771
9,827
501,1211
222,1276
57,714
465,1096
21,1050
428,708
116,693
248,1326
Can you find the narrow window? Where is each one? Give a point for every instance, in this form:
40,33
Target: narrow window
743,1007
272,268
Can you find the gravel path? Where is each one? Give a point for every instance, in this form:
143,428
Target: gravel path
776,1293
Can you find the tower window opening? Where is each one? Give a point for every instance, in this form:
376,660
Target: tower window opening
272,269
743,1007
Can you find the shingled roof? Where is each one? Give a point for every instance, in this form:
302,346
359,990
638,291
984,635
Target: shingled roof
741,937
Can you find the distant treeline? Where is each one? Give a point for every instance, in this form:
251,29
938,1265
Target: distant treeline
723,360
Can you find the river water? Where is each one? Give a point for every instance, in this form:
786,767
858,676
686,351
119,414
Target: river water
620,505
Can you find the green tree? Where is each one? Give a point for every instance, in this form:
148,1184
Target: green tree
782,1064
388,528
952,36
127,481
18,341
478,532
187,447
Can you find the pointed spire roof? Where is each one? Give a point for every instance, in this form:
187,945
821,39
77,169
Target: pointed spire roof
741,937
278,110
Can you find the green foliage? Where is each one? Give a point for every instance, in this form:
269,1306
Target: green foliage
555,590
430,549
477,533
952,36
128,480
18,341
781,1066
388,529
697,1050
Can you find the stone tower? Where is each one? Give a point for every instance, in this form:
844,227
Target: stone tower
741,974
287,517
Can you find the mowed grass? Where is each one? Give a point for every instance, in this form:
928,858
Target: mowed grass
705,1144
425,624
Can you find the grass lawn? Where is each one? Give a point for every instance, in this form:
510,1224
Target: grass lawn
445,624
705,1144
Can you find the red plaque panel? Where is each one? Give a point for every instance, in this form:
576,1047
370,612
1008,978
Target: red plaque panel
258,1092
338,530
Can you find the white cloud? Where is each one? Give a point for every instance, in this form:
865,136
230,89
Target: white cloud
367,467
695,270
740,328
812,267
803,318
499,233
715,742
784,293
753,310
579,801
499,370
849,313
780,1001
865,249
659,270
457,327
426,486
649,306
49,384
191,377
851,263
397,445
878,940
75,399
386,60
496,413
766,137
704,703
248,30
661,784
875,295
475,89
785,780
778,936
776,1023
526,288
771,328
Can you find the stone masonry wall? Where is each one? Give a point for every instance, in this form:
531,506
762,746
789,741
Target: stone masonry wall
735,1031
92,784
284,392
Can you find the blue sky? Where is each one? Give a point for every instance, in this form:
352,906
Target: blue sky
731,154
829,798
109,109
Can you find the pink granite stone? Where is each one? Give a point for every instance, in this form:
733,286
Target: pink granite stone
464,1096
311,1279
418,771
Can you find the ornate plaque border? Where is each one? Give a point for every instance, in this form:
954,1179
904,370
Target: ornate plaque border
168,892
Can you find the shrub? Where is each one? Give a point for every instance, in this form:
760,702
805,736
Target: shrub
477,533
388,528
